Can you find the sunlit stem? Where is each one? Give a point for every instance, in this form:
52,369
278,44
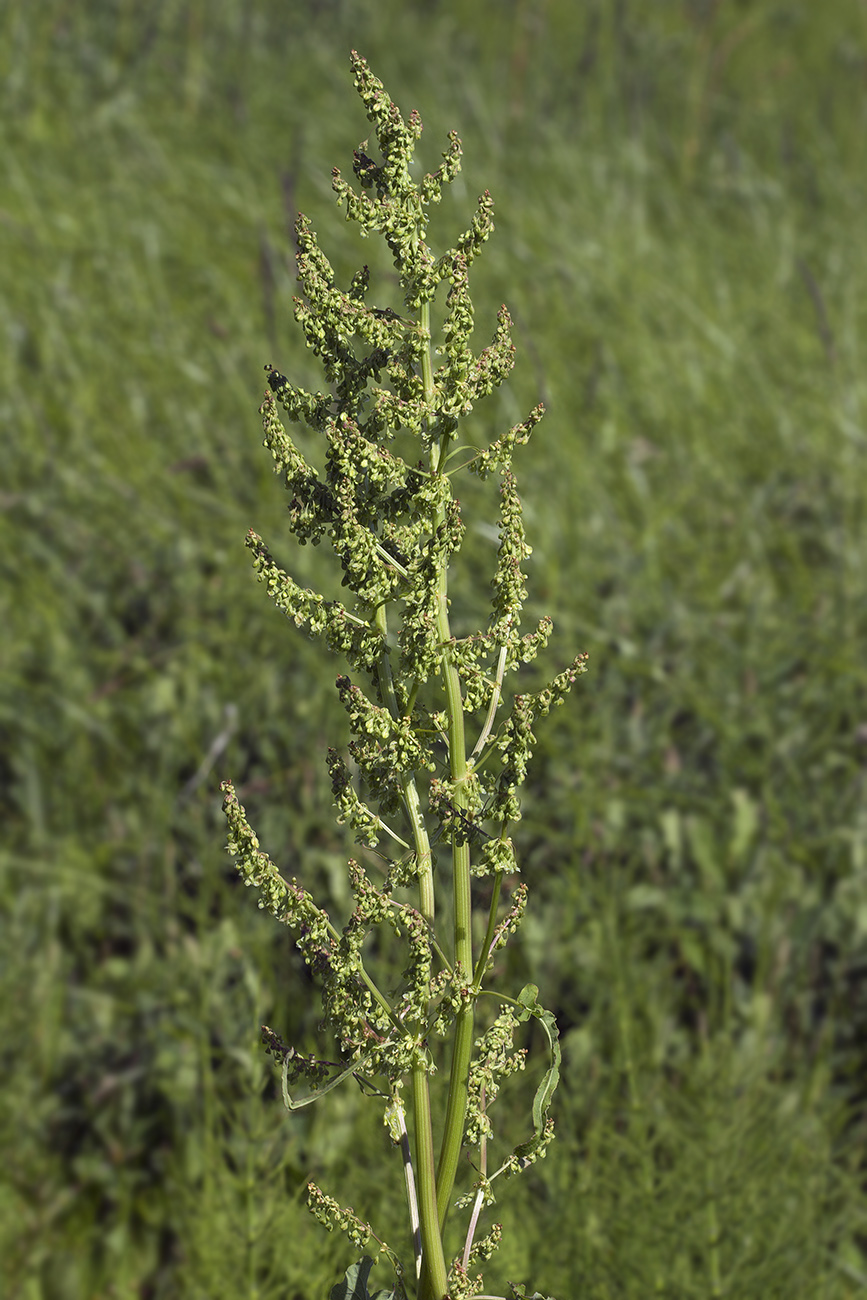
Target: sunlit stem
495,701
480,1194
435,1283
398,1122
481,964
456,1110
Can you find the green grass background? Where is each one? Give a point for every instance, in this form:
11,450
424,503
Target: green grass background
681,190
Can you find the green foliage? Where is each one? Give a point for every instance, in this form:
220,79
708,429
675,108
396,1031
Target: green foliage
354,1285
680,205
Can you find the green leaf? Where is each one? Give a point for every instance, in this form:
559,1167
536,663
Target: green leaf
292,1103
542,1101
354,1284
526,1151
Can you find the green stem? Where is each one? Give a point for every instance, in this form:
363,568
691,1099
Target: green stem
479,973
456,1110
435,1277
495,701
409,789
435,1283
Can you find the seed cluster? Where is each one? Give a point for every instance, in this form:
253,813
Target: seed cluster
378,489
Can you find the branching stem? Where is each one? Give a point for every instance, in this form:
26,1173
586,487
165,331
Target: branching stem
435,1276
411,801
395,528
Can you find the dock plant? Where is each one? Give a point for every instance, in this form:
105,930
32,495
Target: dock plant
439,744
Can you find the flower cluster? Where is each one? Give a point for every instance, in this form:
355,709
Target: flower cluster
370,476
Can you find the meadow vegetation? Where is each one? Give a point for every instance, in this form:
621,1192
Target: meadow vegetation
680,194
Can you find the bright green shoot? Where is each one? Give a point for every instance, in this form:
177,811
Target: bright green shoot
435,758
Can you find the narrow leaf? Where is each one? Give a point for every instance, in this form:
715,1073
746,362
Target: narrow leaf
542,1101
292,1104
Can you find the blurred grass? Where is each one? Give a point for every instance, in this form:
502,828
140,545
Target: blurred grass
680,193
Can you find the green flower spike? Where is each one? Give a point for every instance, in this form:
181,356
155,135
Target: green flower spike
436,753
